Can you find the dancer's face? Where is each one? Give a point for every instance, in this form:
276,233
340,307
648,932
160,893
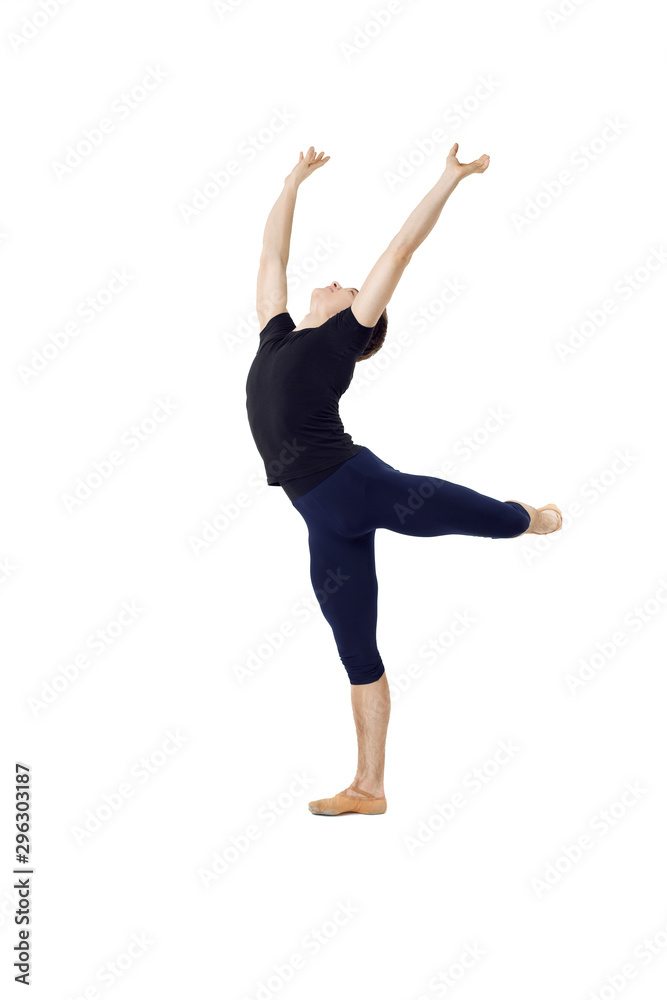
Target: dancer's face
332,298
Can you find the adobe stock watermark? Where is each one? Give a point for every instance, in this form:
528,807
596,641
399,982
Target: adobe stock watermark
623,289
415,498
109,973
601,823
273,640
237,845
469,444
580,159
7,908
222,7
95,136
131,440
310,945
296,276
454,116
634,621
220,178
562,12
86,311
431,652
472,783
365,33
443,982
464,448
330,583
7,569
230,510
33,24
367,372
644,953
227,512
140,773
95,644
591,491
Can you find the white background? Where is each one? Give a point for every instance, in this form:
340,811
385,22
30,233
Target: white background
534,259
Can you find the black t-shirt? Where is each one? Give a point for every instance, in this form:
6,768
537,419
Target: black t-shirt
292,392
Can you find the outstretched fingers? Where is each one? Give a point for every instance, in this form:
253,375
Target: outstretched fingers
313,159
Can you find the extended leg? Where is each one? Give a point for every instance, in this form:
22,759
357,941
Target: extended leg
544,520
427,505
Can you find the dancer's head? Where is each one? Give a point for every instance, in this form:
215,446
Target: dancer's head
333,299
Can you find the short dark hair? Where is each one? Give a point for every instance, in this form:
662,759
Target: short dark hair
377,338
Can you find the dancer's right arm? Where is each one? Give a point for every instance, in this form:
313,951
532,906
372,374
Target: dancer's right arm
272,276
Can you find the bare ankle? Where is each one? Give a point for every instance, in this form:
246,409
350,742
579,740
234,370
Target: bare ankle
369,783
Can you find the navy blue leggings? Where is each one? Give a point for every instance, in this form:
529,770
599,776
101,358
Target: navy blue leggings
344,511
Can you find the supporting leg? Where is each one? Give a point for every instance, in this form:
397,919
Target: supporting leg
343,576
371,706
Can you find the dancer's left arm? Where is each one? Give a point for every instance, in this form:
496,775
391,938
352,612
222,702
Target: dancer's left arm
272,276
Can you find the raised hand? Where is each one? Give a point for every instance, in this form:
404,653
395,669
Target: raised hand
307,165
463,169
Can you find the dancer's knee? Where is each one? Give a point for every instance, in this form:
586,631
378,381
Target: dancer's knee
514,522
363,673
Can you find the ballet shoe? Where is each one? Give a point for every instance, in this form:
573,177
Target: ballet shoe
371,805
557,510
